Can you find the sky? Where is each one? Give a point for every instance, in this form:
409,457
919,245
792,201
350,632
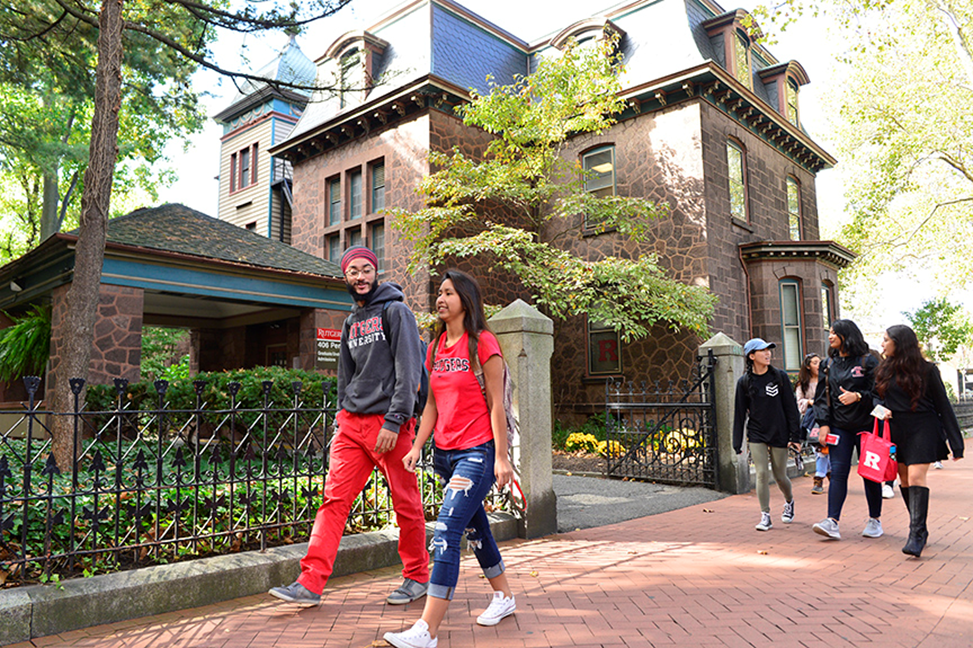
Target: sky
807,42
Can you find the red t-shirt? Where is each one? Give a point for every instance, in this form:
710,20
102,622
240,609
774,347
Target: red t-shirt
463,419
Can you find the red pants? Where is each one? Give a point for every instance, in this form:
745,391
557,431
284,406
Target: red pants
353,457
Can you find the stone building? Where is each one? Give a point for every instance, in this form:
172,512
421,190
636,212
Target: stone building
713,127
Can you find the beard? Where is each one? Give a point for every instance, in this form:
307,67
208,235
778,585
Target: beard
361,297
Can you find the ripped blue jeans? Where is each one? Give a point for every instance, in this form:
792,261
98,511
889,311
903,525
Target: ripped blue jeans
468,476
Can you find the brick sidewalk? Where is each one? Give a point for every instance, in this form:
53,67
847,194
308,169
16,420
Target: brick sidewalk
700,576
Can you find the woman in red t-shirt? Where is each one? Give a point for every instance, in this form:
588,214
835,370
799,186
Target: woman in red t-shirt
470,441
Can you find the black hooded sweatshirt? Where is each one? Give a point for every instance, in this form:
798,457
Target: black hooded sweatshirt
379,371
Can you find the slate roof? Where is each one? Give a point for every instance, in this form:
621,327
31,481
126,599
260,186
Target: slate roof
177,228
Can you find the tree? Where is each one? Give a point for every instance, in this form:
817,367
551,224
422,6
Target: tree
942,328
137,28
514,207
46,103
904,135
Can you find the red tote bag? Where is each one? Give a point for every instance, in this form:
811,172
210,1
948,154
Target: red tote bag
875,460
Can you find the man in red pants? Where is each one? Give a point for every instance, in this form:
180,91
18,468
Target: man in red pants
378,376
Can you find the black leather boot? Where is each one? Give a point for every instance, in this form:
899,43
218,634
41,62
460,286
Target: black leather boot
918,510
905,496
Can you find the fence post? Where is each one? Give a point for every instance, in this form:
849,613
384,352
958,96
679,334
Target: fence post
526,337
733,472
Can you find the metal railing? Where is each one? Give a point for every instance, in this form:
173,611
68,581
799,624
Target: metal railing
664,433
156,484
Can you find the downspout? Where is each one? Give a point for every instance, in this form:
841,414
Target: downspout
746,274
270,184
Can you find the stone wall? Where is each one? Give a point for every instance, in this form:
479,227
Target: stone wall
117,349
403,151
767,172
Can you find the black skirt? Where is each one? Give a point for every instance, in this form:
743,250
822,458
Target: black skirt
918,438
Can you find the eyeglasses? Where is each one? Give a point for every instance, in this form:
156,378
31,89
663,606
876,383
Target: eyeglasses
354,273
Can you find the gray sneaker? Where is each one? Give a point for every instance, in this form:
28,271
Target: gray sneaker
827,527
873,528
296,593
408,592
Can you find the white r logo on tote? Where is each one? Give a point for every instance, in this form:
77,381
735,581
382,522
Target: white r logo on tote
871,460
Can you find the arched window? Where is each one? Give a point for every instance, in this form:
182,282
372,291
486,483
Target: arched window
741,58
736,161
790,319
794,208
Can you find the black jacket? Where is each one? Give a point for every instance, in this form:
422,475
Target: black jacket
854,374
769,402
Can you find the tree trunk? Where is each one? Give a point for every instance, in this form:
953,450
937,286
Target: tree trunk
49,205
73,359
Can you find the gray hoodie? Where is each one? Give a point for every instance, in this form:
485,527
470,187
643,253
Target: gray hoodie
378,371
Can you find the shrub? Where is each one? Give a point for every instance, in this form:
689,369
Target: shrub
581,442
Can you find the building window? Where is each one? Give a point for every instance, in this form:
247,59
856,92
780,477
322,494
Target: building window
604,350
741,58
353,237
354,180
827,306
792,112
244,168
276,355
347,65
794,208
334,202
378,244
737,172
253,164
232,172
334,248
599,174
790,314
251,227
378,187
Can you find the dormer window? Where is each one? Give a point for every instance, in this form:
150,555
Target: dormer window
783,82
356,58
741,59
731,33
792,112
591,30
348,79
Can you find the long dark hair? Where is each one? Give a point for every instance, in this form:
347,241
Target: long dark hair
804,375
852,341
906,365
474,319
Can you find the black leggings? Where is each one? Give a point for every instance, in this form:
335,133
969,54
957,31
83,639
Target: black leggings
840,468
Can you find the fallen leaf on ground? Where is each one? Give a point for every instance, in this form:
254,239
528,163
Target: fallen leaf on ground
707,510
534,574
762,552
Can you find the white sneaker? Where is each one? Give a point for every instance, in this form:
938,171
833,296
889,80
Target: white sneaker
788,515
827,527
415,637
500,607
887,492
873,529
765,523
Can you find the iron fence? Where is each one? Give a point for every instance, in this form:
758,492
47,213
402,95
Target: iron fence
664,432
151,483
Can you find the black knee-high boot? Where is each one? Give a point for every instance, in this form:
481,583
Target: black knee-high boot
918,510
905,496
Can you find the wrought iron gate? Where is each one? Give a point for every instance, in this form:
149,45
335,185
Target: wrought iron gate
665,433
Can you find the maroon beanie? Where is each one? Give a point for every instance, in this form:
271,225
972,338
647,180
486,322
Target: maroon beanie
358,252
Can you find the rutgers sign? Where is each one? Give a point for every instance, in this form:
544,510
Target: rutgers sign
329,346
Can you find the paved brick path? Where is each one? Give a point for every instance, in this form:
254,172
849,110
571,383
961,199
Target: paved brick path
699,577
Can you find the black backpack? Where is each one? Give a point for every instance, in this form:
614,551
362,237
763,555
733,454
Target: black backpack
422,394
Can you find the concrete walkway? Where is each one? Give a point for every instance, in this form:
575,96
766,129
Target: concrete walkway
697,576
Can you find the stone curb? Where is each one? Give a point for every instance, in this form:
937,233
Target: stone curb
42,610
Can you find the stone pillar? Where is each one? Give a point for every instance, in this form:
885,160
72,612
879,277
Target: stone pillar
527,339
733,470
